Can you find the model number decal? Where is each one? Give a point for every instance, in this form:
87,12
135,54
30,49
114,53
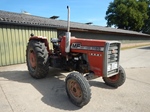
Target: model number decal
94,54
93,48
75,45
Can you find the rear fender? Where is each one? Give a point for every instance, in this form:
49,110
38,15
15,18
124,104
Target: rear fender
42,39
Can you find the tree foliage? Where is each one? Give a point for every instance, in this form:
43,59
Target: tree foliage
127,14
146,27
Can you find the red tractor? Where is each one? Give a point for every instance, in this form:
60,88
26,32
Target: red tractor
87,58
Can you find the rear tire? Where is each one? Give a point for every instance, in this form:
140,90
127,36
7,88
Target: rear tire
78,89
37,59
116,80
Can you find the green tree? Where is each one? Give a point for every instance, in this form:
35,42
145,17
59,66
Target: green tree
127,14
146,27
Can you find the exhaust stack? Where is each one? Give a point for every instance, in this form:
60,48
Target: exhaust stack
68,34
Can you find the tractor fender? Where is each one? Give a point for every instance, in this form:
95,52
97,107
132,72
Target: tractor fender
42,39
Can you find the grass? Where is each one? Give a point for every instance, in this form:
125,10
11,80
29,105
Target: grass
135,46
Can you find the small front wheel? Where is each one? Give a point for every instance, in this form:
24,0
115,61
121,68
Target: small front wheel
78,89
116,80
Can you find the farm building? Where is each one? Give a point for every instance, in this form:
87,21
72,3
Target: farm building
15,30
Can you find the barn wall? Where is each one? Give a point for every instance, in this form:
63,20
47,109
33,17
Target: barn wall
14,38
13,42
122,38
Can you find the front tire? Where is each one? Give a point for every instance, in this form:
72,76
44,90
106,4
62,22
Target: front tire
116,80
78,89
37,59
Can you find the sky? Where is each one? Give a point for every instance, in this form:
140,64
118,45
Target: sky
81,11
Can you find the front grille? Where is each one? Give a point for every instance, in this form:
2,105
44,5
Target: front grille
111,62
113,56
113,53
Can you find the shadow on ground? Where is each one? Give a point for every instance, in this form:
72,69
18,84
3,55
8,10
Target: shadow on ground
100,85
146,48
52,87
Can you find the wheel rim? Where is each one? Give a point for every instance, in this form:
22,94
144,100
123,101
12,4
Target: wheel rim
114,78
32,59
74,89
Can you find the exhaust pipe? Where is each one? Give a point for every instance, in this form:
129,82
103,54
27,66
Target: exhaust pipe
68,34
68,22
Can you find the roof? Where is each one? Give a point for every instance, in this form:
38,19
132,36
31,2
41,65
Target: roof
25,19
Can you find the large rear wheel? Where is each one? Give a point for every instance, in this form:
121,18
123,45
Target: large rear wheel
37,59
78,89
116,80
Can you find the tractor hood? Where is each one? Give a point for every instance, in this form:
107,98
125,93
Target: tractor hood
84,45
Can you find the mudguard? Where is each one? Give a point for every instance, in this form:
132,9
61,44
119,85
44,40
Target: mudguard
43,39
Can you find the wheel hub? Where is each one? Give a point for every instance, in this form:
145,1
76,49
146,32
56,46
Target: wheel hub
32,59
75,89
114,78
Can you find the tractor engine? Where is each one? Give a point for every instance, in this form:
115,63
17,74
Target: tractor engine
75,61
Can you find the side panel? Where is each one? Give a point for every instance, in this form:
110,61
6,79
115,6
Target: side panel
96,62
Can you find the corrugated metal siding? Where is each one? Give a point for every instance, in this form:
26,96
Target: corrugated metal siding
13,42
100,36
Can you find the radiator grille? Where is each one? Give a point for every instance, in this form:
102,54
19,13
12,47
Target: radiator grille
113,57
